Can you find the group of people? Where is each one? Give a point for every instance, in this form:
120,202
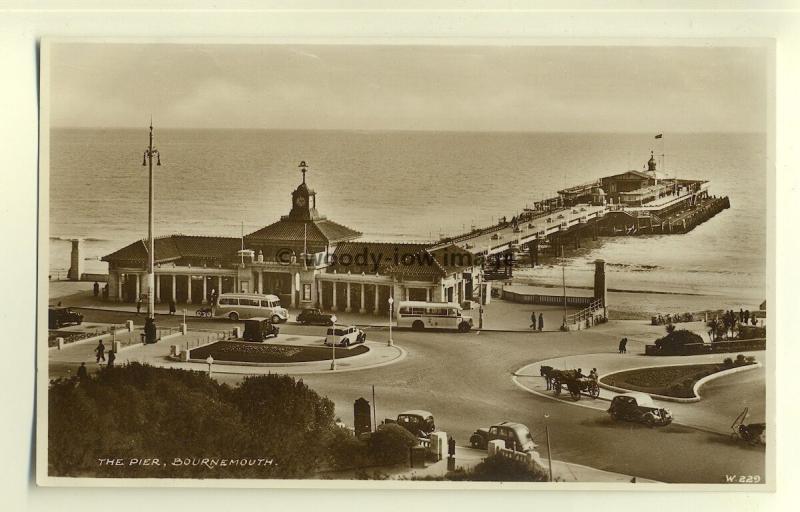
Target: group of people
96,289
730,321
537,324
592,374
672,318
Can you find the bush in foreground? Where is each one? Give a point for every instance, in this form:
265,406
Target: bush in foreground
497,469
138,411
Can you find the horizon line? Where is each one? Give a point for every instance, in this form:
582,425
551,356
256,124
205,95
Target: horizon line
419,130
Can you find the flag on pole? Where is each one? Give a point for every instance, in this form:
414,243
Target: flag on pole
659,135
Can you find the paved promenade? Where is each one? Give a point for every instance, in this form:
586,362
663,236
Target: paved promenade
499,315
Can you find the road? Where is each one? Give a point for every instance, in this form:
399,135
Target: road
465,380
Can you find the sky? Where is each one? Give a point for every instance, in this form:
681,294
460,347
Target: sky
368,87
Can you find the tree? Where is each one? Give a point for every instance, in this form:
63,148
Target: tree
674,342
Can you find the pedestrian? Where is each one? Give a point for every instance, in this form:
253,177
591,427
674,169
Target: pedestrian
593,374
533,320
541,322
746,316
105,292
138,306
753,320
83,374
100,351
741,315
96,288
580,374
625,345
111,358
171,306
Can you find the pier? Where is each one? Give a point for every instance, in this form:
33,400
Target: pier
632,203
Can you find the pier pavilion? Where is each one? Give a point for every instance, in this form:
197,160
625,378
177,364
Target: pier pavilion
304,258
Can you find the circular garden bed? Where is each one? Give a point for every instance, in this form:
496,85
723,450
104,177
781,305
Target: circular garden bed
674,381
243,352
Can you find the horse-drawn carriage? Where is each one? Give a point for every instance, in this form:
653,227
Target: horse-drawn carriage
572,381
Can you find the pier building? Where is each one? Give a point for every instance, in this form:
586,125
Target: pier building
304,258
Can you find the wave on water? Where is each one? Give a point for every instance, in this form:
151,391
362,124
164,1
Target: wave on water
632,267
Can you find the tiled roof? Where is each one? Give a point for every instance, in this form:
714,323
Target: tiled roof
407,260
286,230
174,247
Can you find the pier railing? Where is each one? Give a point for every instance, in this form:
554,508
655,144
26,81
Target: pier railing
547,300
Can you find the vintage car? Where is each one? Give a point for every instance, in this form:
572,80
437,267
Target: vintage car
313,316
258,329
57,316
639,407
418,422
516,436
345,336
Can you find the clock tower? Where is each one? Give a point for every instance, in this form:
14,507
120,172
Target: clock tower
304,200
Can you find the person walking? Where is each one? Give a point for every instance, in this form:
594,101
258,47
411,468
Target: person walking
622,343
533,320
96,288
625,345
138,306
111,358
541,322
746,316
171,306
100,351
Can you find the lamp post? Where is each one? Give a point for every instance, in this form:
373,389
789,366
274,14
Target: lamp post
333,344
391,304
150,322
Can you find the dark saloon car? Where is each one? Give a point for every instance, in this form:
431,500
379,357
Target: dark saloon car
56,317
516,436
258,329
418,422
638,407
313,316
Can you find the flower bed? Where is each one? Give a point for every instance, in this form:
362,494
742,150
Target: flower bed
674,381
243,352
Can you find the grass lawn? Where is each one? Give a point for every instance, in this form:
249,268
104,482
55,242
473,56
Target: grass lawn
676,381
269,353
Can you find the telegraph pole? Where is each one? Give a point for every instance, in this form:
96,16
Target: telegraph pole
150,322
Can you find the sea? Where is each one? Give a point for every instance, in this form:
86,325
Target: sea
417,186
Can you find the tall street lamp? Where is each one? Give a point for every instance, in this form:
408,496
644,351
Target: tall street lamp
150,322
333,343
391,303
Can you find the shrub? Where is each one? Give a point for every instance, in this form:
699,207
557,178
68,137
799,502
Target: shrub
390,444
749,332
501,469
670,328
347,451
136,411
750,360
673,343
727,362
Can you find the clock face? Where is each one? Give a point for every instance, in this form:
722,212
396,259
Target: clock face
300,201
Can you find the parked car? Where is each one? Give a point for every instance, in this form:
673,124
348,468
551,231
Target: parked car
258,329
345,336
418,422
313,316
57,317
516,436
639,407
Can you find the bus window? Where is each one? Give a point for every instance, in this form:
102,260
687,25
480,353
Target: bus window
228,301
248,302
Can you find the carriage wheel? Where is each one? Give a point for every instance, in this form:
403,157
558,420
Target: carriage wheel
557,387
594,391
